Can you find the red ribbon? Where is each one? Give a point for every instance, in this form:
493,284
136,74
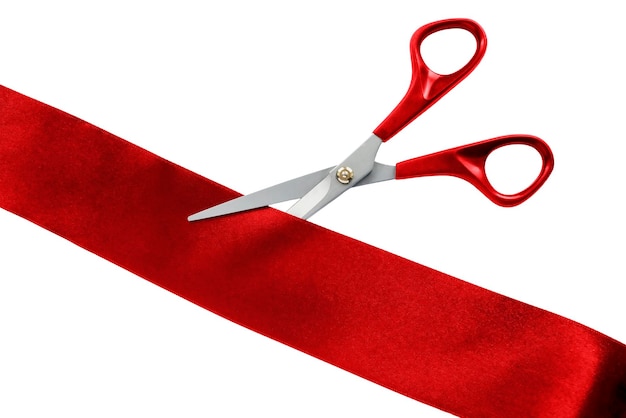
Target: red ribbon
412,329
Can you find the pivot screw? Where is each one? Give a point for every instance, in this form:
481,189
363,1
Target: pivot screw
344,175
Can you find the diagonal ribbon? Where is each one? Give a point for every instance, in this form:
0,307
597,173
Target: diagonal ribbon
417,331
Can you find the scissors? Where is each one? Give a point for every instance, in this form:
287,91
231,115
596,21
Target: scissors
316,190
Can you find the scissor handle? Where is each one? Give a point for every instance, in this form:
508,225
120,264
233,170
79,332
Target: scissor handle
427,86
468,162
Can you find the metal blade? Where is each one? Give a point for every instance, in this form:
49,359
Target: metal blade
289,190
360,163
380,172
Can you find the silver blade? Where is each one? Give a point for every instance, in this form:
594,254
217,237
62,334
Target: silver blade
292,189
289,190
380,172
361,162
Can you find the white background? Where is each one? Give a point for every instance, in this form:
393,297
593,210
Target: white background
250,93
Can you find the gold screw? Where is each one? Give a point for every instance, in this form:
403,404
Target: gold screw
344,175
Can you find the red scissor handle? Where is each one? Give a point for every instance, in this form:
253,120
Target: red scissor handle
468,162
427,86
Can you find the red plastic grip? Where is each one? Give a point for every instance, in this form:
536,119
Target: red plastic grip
427,86
468,163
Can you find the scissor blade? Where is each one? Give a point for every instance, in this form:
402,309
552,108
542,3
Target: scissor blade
380,172
289,190
361,162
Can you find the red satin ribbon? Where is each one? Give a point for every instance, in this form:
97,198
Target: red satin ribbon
407,327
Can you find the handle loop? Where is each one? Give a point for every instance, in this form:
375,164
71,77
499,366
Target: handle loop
427,86
468,163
